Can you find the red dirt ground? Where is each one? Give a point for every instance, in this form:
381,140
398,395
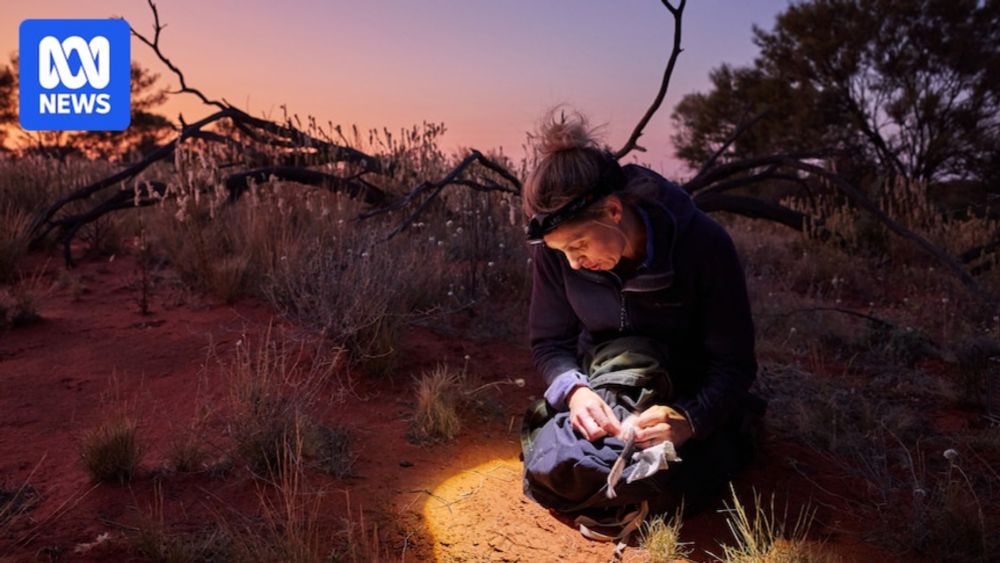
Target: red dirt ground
459,501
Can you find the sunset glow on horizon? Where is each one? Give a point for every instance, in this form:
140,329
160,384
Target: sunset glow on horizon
487,70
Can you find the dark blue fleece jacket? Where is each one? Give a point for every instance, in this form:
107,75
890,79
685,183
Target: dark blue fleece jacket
691,297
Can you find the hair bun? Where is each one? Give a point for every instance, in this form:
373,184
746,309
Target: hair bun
563,131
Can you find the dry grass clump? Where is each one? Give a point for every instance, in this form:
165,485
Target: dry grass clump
274,386
201,249
163,545
438,395
661,538
763,536
335,453
15,501
360,291
17,308
14,225
942,513
155,540
291,528
291,525
111,452
186,453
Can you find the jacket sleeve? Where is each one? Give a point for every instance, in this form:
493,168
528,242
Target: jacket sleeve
724,313
553,329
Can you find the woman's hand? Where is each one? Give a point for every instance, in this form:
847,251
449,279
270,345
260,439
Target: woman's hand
659,423
590,415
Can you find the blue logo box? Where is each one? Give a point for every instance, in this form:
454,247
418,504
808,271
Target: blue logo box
75,75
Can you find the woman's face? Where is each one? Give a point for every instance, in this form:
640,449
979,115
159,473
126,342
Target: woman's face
595,244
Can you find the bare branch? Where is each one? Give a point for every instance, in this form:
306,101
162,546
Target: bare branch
676,12
236,184
753,208
289,137
122,176
740,130
435,189
729,169
155,45
862,200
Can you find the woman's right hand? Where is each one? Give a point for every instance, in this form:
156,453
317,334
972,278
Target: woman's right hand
590,415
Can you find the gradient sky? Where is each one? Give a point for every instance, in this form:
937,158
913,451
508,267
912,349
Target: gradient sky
488,70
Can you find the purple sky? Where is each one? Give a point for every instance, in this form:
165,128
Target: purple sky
488,70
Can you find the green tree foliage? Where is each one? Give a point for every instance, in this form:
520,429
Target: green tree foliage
147,129
911,86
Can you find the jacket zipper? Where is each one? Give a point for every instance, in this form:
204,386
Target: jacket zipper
623,317
622,312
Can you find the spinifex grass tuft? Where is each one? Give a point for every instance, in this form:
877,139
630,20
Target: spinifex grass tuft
437,417
111,452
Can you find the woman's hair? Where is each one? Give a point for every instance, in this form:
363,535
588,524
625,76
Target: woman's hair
570,163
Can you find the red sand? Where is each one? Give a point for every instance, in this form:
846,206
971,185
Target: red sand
460,501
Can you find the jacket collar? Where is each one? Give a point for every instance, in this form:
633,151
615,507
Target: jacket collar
670,210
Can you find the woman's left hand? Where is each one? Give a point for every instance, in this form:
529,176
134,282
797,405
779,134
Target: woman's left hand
659,423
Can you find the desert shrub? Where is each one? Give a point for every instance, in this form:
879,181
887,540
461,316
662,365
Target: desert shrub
186,452
291,527
335,454
111,451
17,307
837,417
359,291
31,183
14,225
975,363
163,545
939,512
438,394
200,248
154,539
15,500
273,386
896,345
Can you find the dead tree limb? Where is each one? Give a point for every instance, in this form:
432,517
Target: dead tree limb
735,168
155,45
709,188
753,208
434,189
736,134
295,137
862,200
287,137
43,224
237,184
677,13
145,194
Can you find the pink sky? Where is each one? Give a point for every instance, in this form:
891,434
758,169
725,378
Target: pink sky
488,70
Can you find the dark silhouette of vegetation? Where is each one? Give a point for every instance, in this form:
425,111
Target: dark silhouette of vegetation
729,162
907,88
8,111
146,131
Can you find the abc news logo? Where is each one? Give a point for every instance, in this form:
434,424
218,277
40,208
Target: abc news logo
75,75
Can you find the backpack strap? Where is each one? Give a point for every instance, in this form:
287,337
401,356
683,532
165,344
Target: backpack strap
628,523
534,418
